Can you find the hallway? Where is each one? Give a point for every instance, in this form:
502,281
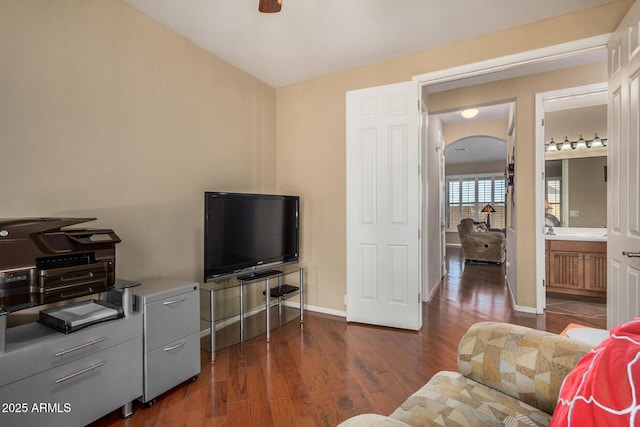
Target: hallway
481,289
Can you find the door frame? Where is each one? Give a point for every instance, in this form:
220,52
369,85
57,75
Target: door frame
506,63
541,98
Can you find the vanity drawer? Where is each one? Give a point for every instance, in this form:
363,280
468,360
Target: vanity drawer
171,318
78,392
577,246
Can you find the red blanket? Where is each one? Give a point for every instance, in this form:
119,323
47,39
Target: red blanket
604,387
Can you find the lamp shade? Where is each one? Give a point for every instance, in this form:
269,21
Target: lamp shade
597,142
488,209
270,6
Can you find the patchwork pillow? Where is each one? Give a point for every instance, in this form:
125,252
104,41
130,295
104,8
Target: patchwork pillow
602,389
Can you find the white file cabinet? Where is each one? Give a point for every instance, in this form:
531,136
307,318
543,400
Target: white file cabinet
171,334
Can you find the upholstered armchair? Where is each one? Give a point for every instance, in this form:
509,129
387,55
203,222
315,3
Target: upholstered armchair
480,243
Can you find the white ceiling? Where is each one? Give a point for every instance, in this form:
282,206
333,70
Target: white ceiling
312,38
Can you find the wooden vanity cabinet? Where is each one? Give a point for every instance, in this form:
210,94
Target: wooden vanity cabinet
577,267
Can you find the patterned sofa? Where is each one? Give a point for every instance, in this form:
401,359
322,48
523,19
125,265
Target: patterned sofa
509,375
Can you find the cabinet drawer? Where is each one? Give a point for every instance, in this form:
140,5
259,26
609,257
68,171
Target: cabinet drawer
80,391
577,246
171,364
33,347
171,318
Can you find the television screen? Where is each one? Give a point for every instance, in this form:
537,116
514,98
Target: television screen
242,231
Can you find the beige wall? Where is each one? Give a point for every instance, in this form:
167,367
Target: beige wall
311,140
587,192
493,128
105,113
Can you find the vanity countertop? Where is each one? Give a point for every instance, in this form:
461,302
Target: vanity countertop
578,234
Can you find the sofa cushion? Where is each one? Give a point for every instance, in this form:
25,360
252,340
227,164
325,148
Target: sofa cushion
601,390
450,399
525,363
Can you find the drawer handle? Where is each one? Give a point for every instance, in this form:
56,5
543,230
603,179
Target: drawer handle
80,347
631,254
175,301
173,347
83,371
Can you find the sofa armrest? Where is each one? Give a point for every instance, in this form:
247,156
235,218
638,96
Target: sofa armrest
524,363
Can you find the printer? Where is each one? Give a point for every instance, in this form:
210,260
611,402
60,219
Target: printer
42,261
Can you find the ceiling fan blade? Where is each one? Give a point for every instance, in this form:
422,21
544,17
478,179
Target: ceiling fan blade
270,6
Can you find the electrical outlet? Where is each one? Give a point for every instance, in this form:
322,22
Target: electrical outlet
574,214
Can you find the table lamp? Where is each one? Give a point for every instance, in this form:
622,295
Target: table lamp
488,209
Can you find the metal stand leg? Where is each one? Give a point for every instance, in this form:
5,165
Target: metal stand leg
127,301
127,410
267,297
301,295
212,323
3,331
279,301
241,311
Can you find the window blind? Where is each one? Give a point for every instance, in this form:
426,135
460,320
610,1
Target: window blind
468,194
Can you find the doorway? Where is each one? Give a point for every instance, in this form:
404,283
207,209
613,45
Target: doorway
571,202
561,56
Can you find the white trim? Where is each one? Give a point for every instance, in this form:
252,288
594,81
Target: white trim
503,63
516,307
433,291
324,310
541,99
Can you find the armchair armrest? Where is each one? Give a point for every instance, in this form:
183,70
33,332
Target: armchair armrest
525,363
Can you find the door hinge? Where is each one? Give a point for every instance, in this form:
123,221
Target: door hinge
544,283
542,122
419,236
419,298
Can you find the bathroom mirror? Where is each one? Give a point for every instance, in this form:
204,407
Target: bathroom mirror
576,187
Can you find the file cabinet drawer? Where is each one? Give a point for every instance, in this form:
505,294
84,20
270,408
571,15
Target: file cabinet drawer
171,364
171,318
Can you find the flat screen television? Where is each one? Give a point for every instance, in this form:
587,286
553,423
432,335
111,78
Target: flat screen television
243,231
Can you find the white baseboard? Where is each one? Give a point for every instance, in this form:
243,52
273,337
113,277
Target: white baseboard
339,313
516,307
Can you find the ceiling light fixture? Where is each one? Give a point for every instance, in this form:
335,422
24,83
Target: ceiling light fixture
270,6
469,113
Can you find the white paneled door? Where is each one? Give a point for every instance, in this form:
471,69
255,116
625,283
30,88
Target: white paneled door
384,207
623,165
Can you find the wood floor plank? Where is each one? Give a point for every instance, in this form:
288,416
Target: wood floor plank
329,370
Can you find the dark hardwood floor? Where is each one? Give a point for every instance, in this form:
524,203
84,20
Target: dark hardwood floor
327,370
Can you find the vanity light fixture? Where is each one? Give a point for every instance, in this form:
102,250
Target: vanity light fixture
580,144
469,113
597,142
